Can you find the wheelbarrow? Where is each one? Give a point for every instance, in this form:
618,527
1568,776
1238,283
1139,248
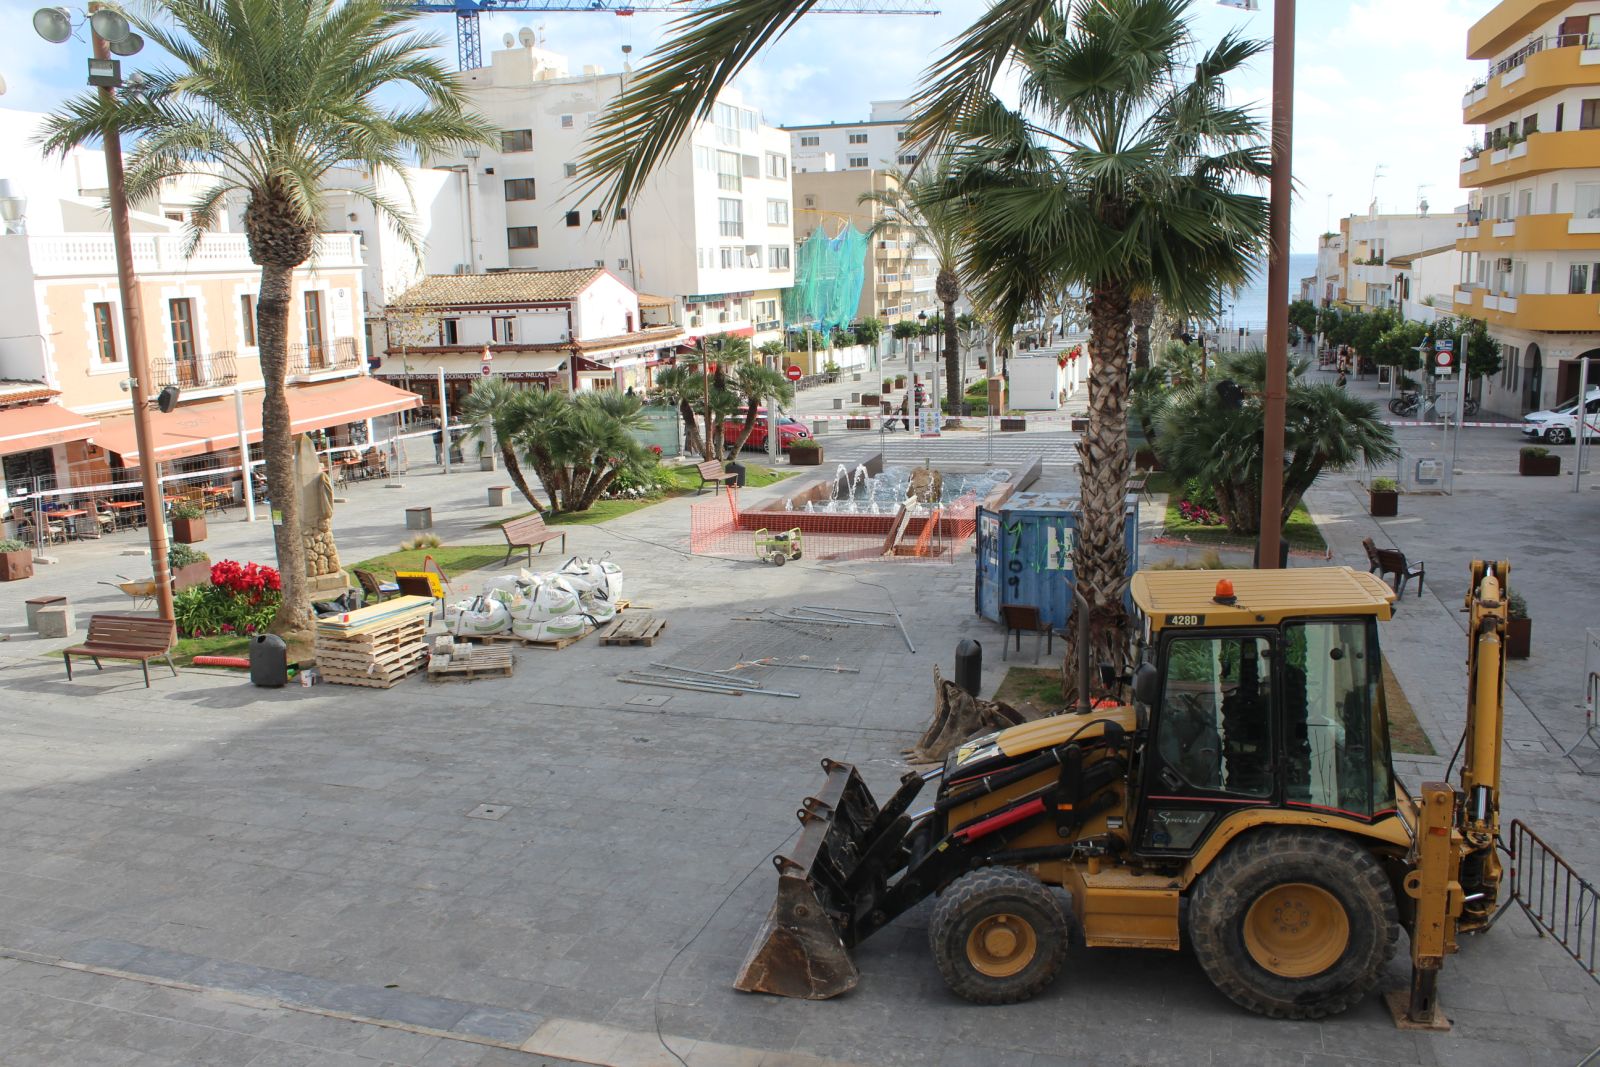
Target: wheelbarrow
778,548
142,591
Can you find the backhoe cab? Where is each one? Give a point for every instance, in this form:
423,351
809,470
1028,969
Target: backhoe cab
1250,777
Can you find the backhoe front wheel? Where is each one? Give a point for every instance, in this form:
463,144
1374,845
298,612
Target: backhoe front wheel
998,935
1294,924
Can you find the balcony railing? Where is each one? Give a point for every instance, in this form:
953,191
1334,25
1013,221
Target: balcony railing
1539,44
94,254
213,370
314,359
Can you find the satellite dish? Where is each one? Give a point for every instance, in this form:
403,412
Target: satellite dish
1423,207
525,35
2,85
511,42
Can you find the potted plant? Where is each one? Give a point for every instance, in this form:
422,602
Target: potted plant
1536,462
869,400
888,385
1013,423
1384,498
190,567
805,452
1519,628
899,381
16,560
188,522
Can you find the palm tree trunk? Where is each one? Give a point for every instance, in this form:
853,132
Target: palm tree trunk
691,431
277,447
1099,556
1144,311
952,359
514,471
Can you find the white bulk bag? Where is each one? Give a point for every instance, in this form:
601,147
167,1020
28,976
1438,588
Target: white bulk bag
550,629
483,616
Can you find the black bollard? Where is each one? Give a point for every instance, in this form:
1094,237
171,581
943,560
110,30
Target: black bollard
969,665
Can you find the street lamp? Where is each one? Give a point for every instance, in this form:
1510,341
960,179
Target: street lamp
110,33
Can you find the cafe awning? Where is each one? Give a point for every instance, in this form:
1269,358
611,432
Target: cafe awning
31,426
212,425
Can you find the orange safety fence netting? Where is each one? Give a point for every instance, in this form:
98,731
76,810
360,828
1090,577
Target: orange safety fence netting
722,528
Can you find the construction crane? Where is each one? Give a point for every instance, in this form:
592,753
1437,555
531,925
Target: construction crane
469,47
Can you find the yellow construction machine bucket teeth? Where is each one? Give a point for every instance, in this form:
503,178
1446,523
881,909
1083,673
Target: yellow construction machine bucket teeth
800,950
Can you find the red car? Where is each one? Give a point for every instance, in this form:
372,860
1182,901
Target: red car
789,431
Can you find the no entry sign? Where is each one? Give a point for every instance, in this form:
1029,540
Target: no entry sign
793,373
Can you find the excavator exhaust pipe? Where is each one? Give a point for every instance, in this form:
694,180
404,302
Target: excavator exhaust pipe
800,950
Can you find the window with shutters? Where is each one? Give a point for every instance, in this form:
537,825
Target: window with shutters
858,161
516,140
522,237
858,138
105,333
808,140
519,188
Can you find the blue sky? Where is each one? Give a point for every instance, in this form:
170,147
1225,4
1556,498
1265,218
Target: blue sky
1378,83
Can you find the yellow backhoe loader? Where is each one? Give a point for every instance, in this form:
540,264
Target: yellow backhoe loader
1245,799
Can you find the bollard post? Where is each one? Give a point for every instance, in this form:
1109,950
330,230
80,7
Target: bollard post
969,665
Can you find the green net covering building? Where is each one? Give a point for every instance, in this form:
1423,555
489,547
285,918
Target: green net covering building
828,275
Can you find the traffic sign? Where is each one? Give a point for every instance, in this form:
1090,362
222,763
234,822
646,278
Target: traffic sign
793,373
485,370
1443,358
1445,344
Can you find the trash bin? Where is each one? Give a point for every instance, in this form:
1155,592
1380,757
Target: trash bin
737,470
269,661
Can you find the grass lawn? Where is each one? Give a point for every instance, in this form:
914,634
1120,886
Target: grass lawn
452,559
1039,686
1300,531
1405,732
220,645
684,480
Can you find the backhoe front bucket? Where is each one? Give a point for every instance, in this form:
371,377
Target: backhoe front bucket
800,950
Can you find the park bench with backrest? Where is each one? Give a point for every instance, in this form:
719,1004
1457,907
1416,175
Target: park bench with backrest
1386,561
126,637
528,532
712,472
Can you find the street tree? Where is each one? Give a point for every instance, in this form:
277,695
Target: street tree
1203,437
1124,171
264,98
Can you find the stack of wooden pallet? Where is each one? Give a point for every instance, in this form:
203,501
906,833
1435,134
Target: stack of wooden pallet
374,646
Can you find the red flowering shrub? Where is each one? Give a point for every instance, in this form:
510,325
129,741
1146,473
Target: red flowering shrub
242,598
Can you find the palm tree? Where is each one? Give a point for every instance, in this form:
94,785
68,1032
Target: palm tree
578,445
1201,436
918,207
1121,174
756,384
498,411
265,97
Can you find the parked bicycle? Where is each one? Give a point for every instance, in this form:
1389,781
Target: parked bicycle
1412,404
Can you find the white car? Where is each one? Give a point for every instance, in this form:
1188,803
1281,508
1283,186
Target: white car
1559,427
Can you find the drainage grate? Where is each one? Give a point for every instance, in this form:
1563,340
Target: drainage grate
488,811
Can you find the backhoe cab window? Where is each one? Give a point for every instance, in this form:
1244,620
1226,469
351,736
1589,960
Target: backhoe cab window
1215,731
1335,739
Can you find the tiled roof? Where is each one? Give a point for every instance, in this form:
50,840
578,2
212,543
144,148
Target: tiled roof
501,287
14,391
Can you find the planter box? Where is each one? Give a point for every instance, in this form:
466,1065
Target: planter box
899,381
1013,425
14,566
805,457
1539,466
487,461
1519,638
189,531
870,400
858,424
191,575
1080,425
1383,503
952,422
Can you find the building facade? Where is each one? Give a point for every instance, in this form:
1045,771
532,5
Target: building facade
1368,277
566,330
712,230
1530,250
880,143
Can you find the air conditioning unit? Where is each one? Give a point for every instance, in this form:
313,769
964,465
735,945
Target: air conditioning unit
463,268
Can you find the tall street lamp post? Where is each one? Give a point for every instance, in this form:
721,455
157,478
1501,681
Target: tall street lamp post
1277,391
110,33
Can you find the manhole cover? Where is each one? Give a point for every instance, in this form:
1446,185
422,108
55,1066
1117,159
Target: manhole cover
1526,746
488,811
650,701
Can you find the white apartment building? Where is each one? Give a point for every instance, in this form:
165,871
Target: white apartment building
1371,280
713,230
1530,252
880,143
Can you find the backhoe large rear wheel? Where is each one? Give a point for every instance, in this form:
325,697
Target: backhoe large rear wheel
998,935
1294,924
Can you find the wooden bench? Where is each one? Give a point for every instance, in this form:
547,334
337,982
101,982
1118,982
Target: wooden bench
527,532
126,637
1386,561
713,473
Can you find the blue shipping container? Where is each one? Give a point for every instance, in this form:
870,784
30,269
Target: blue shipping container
1025,557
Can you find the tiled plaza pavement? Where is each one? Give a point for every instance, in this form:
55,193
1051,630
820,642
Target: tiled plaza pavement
209,873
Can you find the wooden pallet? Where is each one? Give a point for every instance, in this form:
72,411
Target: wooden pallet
355,661
638,630
372,676
552,644
408,633
480,663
